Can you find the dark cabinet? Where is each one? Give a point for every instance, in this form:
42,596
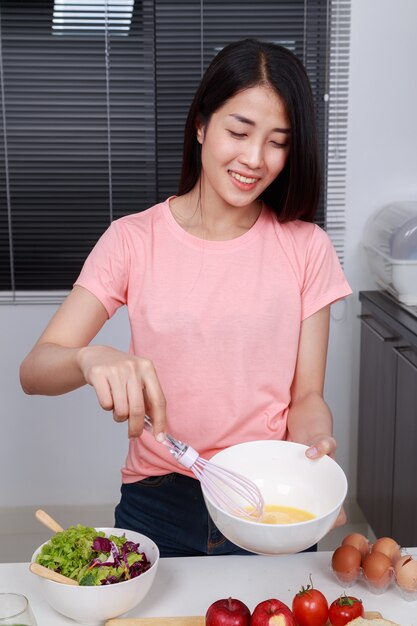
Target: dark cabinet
387,430
404,505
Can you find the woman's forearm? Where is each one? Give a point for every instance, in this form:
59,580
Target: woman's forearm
53,366
51,369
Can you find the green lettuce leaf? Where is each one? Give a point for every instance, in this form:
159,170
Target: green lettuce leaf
69,551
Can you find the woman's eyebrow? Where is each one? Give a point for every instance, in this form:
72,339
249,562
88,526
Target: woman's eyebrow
246,120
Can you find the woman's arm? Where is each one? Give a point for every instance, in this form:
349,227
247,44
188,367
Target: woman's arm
52,367
63,360
309,418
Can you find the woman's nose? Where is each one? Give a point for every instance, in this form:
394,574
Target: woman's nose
252,156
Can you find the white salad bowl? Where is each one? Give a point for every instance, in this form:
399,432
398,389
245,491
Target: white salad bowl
285,477
94,605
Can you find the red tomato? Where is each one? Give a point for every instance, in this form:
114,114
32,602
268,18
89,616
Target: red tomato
310,607
344,610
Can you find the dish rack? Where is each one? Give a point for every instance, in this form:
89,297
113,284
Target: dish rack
390,241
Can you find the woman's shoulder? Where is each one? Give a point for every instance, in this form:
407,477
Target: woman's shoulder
139,218
304,234
131,232
133,228
304,243
299,228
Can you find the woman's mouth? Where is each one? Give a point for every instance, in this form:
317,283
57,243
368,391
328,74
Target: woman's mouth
243,182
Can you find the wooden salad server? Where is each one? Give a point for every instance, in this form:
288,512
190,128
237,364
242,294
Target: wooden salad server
45,572
48,521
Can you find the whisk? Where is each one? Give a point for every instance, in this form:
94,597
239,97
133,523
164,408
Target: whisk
221,484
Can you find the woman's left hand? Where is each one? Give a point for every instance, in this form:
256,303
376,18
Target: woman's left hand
320,446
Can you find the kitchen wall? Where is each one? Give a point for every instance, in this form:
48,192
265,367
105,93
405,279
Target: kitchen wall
65,450
382,167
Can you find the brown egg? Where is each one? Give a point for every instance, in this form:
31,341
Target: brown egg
387,546
400,562
359,541
377,569
346,563
406,573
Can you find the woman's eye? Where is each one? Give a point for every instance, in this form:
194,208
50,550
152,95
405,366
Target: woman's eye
276,144
237,135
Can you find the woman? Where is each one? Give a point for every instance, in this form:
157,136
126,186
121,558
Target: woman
228,287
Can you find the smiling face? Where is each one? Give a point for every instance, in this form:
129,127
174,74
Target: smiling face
245,146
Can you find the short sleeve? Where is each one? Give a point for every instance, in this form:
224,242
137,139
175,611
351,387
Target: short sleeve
105,272
324,280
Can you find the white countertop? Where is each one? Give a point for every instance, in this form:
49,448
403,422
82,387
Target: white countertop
187,586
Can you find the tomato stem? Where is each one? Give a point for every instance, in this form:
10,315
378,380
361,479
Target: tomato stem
348,600
306,590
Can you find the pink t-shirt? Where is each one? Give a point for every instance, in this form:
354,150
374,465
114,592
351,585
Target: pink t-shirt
220,320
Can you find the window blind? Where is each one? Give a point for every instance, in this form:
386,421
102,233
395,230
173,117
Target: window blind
336,115
78,133
94,95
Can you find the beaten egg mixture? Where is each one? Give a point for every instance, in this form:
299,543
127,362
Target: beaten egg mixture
277,514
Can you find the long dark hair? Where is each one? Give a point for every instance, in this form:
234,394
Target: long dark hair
294,194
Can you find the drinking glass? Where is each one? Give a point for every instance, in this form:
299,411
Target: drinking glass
15,610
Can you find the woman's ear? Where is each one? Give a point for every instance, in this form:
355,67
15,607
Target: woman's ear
200,132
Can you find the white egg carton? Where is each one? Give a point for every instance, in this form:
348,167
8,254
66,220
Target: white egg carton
410,596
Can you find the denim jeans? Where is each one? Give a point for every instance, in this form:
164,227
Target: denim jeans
170,510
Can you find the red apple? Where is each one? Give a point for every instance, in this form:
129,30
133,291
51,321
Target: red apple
272,613
228,612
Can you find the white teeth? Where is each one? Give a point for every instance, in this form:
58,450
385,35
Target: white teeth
243,179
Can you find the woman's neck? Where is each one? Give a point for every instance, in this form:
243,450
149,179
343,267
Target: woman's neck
206,219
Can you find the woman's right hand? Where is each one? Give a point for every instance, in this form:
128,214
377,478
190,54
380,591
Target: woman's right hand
125,384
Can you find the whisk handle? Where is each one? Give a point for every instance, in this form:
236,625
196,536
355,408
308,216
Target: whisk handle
184,454
188,458
169,441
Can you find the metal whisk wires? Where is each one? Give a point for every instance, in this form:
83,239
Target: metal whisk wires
229,490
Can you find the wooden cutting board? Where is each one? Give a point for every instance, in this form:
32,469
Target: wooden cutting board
194,620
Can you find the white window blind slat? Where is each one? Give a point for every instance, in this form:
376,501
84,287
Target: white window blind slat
337,123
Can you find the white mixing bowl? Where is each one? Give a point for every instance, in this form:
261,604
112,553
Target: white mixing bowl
285,477
94,605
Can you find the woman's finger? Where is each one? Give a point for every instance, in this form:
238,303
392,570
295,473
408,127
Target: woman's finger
155,400
103,393
118,389
136,407
322,446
